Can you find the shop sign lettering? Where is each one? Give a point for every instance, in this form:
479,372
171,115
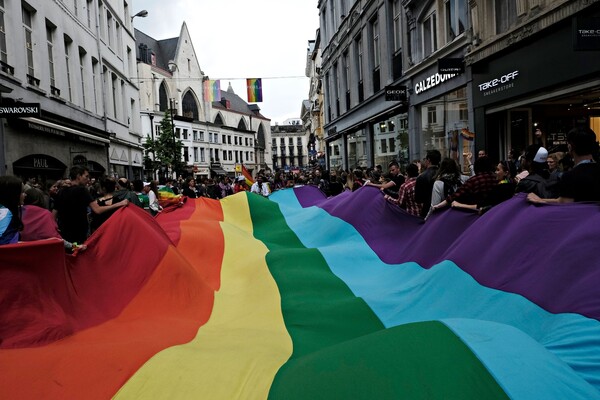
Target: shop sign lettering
20,110
504,79
40,163
432,81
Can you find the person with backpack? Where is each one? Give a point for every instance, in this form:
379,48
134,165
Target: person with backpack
475,189
447,182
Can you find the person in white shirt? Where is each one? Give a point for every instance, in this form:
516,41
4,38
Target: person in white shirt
260,187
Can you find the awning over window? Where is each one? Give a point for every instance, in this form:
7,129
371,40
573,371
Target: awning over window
218,171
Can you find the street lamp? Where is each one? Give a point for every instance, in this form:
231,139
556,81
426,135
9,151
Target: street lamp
176,156
143,14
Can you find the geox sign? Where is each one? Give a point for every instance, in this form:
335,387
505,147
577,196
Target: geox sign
20,110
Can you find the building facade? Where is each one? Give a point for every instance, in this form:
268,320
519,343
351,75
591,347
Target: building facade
312,108
290,145
76,61
217,136
401,77
537,65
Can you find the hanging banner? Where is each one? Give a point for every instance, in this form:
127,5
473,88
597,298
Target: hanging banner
212,90
254,86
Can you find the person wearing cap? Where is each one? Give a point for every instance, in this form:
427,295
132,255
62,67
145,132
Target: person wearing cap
151,190
538,180
138,189
240,184
582,182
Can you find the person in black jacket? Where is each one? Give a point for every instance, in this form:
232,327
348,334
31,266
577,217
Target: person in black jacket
424,183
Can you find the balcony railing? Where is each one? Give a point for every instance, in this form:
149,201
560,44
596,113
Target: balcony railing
9,69
33,81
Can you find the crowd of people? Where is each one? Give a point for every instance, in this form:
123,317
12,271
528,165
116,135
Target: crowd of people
72,209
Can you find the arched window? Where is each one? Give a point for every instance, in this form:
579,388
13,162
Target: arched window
219,120
242,125
260,137
163,97
190,107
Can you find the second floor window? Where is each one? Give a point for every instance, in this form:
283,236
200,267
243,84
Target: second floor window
3,53
456,17
375,49
506,14
27,16
50,40
429,35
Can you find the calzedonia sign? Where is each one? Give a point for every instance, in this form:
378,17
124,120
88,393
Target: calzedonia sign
432,81
20,110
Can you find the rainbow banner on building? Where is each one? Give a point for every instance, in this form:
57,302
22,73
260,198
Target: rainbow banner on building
212,90
297,296
254,86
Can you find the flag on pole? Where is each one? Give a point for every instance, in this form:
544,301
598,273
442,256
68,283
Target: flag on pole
212,90
254,90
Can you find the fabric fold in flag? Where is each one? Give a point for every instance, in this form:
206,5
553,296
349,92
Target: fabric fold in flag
300,296
254,86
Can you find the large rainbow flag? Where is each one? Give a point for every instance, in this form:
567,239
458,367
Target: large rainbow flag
297,296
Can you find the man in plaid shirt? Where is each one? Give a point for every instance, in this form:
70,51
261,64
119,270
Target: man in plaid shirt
406,193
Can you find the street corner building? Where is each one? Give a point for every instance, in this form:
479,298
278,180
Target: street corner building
299,296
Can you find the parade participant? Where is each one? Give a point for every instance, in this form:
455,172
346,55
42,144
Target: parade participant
260,187
11,199
124,192
396,179
582,183
538,179
151,190
240,185
72,204
189,188
107,190
424,183
406,194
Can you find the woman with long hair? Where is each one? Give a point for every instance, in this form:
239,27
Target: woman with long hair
447,181
503,191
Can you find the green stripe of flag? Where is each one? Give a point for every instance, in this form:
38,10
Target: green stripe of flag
341,349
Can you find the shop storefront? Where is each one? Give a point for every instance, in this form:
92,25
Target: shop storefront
439,115
125,161
45,150
390,141
548,82
377,139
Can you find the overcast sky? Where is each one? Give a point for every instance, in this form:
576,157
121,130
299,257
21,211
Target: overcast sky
239,39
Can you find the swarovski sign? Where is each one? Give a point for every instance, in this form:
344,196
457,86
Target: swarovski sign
20,110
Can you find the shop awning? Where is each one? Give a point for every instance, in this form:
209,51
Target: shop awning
89,136
218,171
